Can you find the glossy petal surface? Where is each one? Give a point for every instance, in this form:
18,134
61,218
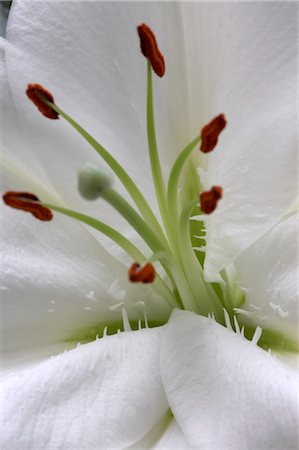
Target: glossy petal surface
226,392
105,394
272,287
58,282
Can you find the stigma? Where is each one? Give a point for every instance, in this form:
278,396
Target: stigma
149,49
36,93
181,283
209,199
93,181
145,274
28,202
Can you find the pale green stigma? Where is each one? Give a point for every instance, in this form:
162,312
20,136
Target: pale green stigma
93,181
170,244
181,283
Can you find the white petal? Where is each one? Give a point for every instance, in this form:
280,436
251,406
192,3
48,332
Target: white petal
49,154
268,271
103,85
111,71
242,61
223,390
173,438
13,143
102,395
165,435
57,282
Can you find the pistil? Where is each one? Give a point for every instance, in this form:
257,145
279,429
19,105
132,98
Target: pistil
119,171
170,245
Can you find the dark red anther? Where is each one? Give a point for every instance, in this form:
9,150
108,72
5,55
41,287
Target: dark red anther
27,202
35,92
145,274
210,133
209,199
150,49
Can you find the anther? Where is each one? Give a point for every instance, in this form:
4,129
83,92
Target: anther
27,202
211,132
36,93
209,199
145,274
150,49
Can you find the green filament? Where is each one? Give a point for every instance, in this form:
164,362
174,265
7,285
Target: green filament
173,182
152,146
169,263
122,175
133,218
157,175
122,242
192,268
173,249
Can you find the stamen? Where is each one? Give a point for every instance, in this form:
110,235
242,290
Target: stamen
172,247
119,171
27,202
145,274
150,49
36,93
210,133
209,199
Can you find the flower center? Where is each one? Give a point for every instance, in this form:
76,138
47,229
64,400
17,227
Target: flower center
180,279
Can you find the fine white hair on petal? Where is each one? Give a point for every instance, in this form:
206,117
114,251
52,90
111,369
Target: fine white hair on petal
279,310
91,296
257,335
116,307
145,319
126,323
200,249
105,332
227,320
273,294
237,327
116,291
244,312
256,308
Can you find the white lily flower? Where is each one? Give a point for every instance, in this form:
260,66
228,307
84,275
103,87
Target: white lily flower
180,380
